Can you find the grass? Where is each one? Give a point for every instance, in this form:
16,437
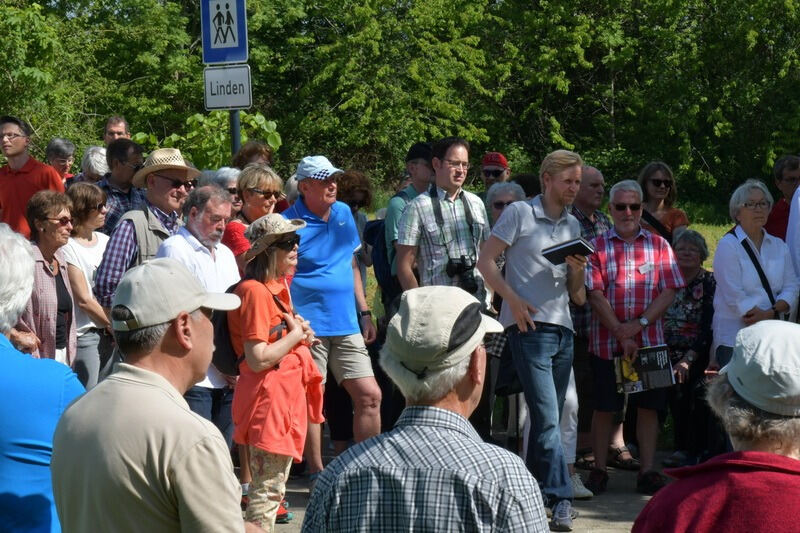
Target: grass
712,234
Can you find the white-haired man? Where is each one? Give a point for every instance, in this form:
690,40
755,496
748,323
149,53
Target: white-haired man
131,456
197,246
631,279
33,394
432,472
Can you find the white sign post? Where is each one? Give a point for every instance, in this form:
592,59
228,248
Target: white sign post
227,87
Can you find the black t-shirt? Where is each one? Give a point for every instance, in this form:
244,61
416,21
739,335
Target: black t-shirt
64,310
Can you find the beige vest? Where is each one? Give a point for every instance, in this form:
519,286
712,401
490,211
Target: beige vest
150,233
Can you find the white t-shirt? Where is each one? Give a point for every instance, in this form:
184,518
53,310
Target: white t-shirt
86,258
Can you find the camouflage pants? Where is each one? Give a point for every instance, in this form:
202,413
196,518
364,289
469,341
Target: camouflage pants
270,472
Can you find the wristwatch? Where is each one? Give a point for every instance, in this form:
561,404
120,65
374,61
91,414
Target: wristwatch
643,321
365,313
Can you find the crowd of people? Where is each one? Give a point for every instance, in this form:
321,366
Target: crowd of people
165,320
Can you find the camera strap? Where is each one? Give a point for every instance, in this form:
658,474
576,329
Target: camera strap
437,214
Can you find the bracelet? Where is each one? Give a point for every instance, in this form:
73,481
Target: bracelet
365,313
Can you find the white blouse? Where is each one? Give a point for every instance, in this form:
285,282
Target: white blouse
739,288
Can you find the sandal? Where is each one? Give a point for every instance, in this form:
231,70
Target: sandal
615,459
584,459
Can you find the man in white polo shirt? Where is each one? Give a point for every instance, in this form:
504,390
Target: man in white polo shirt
536,315
197,246
129,455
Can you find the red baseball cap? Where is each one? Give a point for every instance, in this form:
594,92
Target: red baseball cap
494,159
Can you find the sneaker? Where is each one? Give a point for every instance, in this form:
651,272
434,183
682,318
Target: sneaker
579,491
284,516
597,482
563,514
650,482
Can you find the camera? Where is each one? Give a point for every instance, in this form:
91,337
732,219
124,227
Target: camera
465,270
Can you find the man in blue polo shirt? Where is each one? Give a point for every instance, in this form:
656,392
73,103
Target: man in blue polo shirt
322,292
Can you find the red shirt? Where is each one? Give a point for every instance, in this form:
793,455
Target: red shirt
17,187
741,491
272,408
778,219
631,276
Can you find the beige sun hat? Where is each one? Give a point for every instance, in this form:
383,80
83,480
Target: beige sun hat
267,229
163,159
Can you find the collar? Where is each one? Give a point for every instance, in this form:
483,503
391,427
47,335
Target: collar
105,183
741,235
29,165
305,213
538,210
169,221
425,415
612,233
442,194
5,343
276,286
127,372
741,461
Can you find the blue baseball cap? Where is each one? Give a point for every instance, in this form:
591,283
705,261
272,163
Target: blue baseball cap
317,167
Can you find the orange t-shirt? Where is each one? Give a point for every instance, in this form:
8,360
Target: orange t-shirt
271,408
673,218
17,187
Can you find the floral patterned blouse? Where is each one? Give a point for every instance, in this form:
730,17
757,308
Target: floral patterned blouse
687,322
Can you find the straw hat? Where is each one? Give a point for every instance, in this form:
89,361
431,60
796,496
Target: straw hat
162,159
267,229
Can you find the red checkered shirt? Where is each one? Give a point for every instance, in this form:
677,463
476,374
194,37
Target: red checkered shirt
630,275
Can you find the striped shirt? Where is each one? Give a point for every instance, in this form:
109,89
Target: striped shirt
631,275
432,472
418,227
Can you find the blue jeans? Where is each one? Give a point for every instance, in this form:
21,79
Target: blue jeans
543,360
214,405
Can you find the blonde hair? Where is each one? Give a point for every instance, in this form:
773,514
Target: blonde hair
556,162
255,176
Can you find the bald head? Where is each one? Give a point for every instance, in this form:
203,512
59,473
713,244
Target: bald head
590,195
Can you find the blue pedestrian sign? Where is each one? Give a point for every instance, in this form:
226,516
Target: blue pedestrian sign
224,31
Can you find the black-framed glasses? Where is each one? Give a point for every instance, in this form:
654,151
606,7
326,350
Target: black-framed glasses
63,221
501,205
623,207
662,183
100,206
177,184
233,191
267,194
493,172
288,245
761,204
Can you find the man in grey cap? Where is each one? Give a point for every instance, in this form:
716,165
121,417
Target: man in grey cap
432,472
131,456
757,487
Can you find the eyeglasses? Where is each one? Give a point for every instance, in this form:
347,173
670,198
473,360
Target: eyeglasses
288,245
100,206
136,168
662,183
457,164
63,221
267,194
763,204
64,160
687,250
501,205
623,207
495,173
11,136
792,181
233,191
177,184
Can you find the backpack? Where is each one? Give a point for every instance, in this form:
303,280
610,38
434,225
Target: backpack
375,236
224,359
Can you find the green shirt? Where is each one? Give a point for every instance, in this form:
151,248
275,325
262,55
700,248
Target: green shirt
394,211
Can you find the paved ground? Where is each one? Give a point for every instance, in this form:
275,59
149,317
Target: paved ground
611,512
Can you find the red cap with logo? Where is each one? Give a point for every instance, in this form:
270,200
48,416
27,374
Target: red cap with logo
494,159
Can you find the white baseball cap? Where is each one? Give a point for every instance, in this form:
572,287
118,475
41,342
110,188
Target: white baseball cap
317,167
157,291
435,328
765,367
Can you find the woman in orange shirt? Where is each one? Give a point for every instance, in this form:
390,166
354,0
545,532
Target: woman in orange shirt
279,389
660,192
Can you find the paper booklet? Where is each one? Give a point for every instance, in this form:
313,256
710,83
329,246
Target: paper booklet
652,369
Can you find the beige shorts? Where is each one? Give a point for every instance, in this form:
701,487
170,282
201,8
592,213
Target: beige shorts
345,355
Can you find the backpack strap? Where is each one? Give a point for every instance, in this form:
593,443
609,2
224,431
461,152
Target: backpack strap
757,266
656,224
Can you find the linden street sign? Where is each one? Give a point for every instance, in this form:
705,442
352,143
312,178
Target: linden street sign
227,87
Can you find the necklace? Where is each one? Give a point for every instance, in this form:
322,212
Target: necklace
52,265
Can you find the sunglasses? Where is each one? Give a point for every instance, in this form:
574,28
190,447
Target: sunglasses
233,191
100,206
63,221
267,194
501,205
177,184
623,207
495,173
662,183
288,245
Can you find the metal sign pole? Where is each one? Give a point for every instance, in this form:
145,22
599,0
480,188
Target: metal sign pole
236,132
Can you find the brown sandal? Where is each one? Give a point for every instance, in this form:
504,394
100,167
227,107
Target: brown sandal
615,459
584,459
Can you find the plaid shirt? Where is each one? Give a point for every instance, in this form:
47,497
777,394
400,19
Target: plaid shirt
631,276
432,472
119,202
121,253
581,315
436,244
